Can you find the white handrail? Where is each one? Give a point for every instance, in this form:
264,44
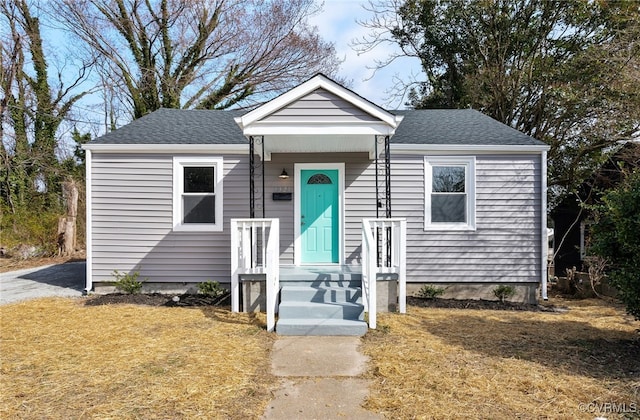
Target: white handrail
369,273
384,249
255,249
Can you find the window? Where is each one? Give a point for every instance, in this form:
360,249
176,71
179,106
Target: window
449,193
319,179
197,194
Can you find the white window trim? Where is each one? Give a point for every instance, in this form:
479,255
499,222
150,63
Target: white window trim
179,162
469,163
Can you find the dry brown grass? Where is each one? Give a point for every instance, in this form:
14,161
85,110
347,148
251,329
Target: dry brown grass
450,363
61,359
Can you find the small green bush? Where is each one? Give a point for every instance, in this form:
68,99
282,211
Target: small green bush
504,292
128,283
211,288
429,291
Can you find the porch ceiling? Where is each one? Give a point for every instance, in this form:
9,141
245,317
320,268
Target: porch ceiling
318,143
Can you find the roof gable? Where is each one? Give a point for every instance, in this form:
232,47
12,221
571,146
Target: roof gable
319,101
319,105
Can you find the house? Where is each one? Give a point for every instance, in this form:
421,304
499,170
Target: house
313,196
572,219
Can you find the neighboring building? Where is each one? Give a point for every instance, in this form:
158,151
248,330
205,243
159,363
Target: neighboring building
163,194
572,220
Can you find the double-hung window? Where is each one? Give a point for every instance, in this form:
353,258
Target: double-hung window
197,194
449,193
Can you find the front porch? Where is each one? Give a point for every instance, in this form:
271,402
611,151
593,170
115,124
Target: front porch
318,299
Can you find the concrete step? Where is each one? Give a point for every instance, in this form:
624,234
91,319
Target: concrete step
324,294
319,310
306,326
320,275
322,283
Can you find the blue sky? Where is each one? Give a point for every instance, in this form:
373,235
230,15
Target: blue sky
338,23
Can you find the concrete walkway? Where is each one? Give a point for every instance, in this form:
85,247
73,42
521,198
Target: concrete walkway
319,379
66,279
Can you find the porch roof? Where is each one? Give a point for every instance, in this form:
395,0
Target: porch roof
319,116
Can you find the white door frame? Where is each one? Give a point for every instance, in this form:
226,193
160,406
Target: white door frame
297,243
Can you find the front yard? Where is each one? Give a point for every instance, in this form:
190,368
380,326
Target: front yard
62,359
453,363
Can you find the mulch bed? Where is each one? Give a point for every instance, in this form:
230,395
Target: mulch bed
159,299
480,304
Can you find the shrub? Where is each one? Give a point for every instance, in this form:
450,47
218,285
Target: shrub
429,291
504,292
128,283
211,289
616,239
31,228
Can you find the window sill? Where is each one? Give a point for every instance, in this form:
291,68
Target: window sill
197,228
448,228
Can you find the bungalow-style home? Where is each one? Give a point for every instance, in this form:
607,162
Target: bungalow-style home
319,206
572,217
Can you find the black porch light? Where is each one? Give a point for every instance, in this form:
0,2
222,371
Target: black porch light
284,174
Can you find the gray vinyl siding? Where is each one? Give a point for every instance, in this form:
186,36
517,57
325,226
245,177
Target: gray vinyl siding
360,201
319,106
132,198
506,244
132,218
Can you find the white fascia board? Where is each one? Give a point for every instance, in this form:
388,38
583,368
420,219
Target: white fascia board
307,87
168,148
466,148
267,129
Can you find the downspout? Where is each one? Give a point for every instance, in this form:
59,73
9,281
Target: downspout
252,197
543,223
89,224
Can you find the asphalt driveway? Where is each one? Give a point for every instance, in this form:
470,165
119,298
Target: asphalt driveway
66,279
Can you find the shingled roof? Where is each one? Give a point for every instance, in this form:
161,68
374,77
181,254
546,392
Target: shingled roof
429,127
456,127
179,126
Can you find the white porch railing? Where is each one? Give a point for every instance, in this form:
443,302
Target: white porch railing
255,249
384,249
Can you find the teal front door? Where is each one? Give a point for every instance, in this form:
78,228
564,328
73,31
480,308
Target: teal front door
319,215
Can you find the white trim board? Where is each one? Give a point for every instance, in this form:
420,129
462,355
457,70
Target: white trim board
89,222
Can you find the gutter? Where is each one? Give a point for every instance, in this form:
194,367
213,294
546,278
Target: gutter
166,148
406,148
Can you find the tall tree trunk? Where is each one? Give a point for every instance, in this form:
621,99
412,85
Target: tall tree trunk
67,223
